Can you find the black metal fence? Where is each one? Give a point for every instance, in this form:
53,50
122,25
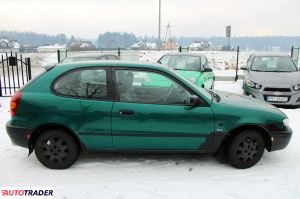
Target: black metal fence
15,71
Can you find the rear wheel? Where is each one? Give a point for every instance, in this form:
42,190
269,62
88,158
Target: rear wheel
56,149
246,149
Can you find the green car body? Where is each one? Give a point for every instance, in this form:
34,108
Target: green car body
200,74
113,125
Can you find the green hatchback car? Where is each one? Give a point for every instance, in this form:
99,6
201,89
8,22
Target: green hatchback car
194,67
118,106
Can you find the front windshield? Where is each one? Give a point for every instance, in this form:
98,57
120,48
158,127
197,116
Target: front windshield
181,62
273,64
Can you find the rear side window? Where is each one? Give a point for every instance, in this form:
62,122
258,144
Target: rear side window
112,57
88,83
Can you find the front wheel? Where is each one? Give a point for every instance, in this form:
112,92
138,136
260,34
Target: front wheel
246,149
56,149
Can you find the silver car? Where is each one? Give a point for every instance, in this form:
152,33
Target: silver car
90,57
273,78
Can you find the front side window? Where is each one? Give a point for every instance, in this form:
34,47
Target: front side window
181,62
204,63
249,61
150,88
273,64
88,83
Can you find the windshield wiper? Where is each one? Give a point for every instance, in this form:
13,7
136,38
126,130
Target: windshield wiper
259,70
213,94
273,71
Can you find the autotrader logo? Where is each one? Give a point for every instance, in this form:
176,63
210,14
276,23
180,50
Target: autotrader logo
26,192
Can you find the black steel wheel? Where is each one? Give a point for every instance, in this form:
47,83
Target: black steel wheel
56,149
246,149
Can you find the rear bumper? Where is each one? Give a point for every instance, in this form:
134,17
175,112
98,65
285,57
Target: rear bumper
18,135
280,140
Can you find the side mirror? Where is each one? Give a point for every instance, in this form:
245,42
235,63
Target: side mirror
194,100
207,70
244,67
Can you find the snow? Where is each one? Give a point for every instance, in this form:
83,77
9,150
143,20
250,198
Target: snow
133,176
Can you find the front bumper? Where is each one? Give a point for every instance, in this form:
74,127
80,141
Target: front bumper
18,135
280,139
293,97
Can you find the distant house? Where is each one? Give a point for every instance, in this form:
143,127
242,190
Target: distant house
150,46
200,45
81,45
140,45
7,45
51,48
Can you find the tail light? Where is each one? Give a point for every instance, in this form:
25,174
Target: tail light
14,103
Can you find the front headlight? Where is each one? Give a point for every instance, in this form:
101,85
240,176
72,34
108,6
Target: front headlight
286,122
296,87
253,84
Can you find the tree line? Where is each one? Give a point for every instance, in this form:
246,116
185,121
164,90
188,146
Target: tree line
34,39
125,40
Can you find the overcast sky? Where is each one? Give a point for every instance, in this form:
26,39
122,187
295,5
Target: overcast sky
88,18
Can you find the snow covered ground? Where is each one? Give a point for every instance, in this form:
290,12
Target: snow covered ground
133,176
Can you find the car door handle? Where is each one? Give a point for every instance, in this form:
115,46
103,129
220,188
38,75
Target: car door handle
126,112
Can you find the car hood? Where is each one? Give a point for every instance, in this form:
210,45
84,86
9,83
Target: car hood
243,101
275,78
190,75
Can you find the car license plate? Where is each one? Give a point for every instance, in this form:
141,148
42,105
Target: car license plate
277,99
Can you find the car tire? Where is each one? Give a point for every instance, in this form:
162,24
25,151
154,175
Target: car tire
56,149
246,149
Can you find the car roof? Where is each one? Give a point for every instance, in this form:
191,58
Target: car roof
270,54
99,54
185,54
112,63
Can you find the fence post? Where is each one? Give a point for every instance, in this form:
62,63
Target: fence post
119,51
0,87
292,52
237,63
29,67
66,53
58,56
180,49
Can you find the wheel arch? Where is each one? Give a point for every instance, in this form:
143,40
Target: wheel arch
41,129
259,128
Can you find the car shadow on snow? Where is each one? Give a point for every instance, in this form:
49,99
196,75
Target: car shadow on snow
287,106
149,158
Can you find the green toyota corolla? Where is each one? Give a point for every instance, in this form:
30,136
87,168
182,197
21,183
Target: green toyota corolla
118,106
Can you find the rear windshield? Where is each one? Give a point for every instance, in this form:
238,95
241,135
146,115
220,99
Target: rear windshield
181,62
273,64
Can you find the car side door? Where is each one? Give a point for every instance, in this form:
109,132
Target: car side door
85,97
152,112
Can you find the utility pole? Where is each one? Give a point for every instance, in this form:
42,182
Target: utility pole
159,25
